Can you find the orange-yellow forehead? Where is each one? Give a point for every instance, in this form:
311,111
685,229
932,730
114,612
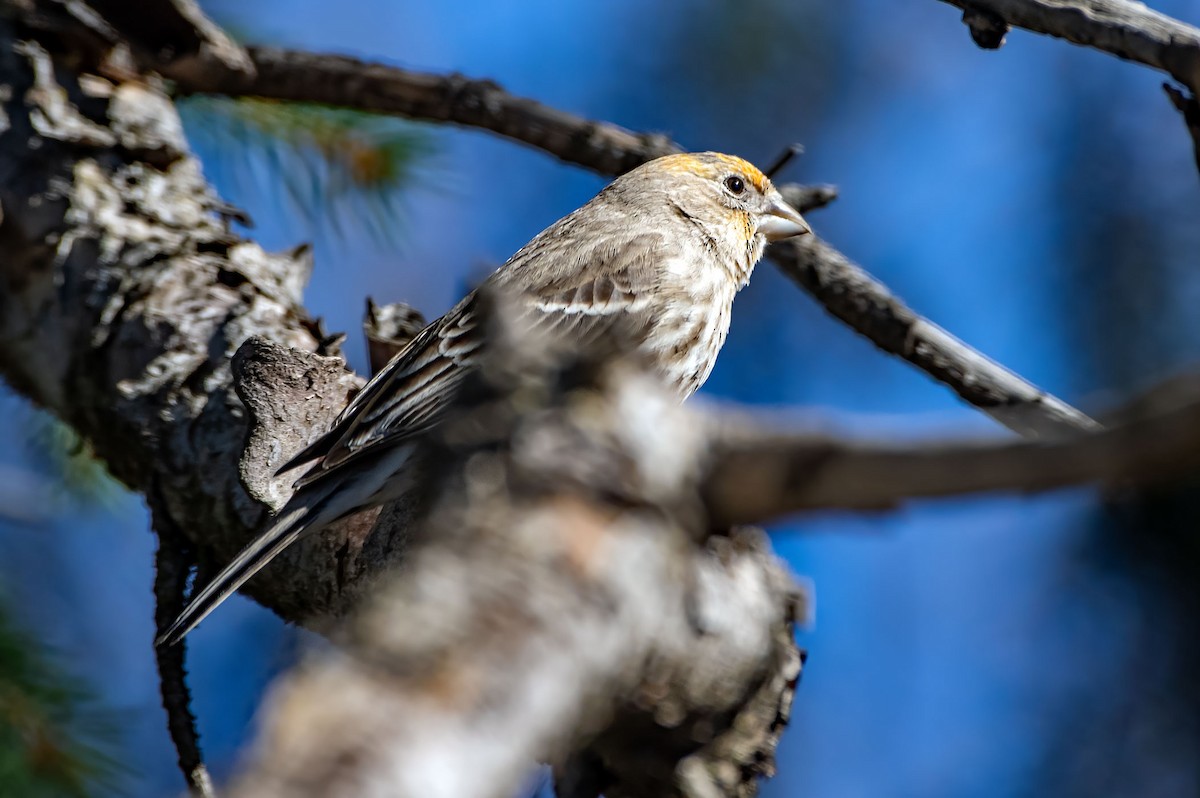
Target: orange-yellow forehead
714,165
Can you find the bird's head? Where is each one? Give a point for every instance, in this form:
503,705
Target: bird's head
726,198
728,188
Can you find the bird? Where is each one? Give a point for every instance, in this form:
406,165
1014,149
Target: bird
662,251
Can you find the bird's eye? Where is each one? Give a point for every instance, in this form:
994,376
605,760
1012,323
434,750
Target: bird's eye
735,184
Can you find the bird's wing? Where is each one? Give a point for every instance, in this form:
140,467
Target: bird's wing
612,285
404,399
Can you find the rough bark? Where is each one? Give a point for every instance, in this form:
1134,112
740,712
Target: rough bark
125,296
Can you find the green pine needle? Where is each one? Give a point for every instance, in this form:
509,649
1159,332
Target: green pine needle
340,169
54,739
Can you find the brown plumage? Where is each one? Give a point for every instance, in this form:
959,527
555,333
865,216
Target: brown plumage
661,252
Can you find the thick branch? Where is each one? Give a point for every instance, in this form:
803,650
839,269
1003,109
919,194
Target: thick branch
123,297
1123,28
522,646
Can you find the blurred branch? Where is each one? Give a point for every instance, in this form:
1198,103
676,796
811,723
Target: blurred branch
627,652
502,642
854,297
494,655
866,305
762,474
1123,28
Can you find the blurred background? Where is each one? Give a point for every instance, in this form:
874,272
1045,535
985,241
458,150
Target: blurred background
1041,203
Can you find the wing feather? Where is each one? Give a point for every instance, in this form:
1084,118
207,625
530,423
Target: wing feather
408,397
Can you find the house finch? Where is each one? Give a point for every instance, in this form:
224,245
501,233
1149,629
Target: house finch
661,251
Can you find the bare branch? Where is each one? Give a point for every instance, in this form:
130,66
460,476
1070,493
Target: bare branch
762,474
171,564
867,306
381,88
1123,28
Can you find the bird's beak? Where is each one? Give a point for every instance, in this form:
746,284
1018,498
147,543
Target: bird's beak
782,221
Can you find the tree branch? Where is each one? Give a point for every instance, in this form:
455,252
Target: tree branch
124,297
171,564
1125,29
1189,108
764,474
296,76
862,302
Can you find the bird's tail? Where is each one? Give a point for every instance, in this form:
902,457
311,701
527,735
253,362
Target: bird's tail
335,495
290,525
